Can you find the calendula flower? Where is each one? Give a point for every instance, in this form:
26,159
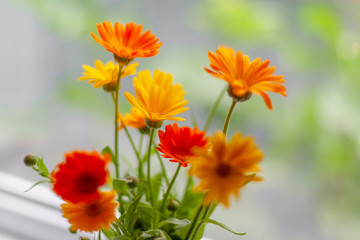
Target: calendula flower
244,76
127,42
92,216
78,178
133,119
177,143
106,75
226,168
157,98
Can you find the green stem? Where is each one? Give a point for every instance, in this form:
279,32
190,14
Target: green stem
228,116
117,165
204,216
194,222
132,143
213,109
141,143
152,199
99,238
162,167
169,188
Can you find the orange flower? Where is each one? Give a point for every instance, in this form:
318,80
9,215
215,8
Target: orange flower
93,216
127,42
226,168
245,77
176,143
132,119
79,177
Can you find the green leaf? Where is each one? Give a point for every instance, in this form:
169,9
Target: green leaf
108,150
129,215
179,223
43,181
121,187
154,234
42,169
122,238
221,225
109,233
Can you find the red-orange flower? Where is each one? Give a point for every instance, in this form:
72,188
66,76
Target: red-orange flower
92,216
79,177
128,41
244,76
177,143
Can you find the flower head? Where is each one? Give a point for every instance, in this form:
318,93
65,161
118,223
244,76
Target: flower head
79,177
157,99
127,42
177,143
92,216
103,74
132,119
226,167
245,77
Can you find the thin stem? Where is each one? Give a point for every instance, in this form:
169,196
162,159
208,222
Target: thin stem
162,168
204,216
194,222
213,109
141,143
117,165
228,116
152,133
99,237
132,143
169,188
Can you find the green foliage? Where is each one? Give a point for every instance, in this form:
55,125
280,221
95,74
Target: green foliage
221,225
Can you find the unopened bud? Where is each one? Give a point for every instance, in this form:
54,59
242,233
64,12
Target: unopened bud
30,160
132,182
173,205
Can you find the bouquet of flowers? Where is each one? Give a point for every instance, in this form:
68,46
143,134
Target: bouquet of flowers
139,205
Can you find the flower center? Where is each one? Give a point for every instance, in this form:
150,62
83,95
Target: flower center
87,183
223,170
93,209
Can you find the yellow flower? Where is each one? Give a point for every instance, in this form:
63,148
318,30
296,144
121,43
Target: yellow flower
132,119
106,74
226,168
93,216
157,98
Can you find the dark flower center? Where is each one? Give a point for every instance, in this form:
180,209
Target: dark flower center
93,209
87,183
223,170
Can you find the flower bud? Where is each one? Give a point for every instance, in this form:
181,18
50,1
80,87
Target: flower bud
153,124
110,87
122,61
30,160
132,182
173,205
236,98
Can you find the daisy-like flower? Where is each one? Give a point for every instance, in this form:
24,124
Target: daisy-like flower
157,98
133,119
245,77
127,42
92,216
226,168
78,178
106,75
177,143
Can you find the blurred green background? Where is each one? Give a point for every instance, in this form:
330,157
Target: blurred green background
311,139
